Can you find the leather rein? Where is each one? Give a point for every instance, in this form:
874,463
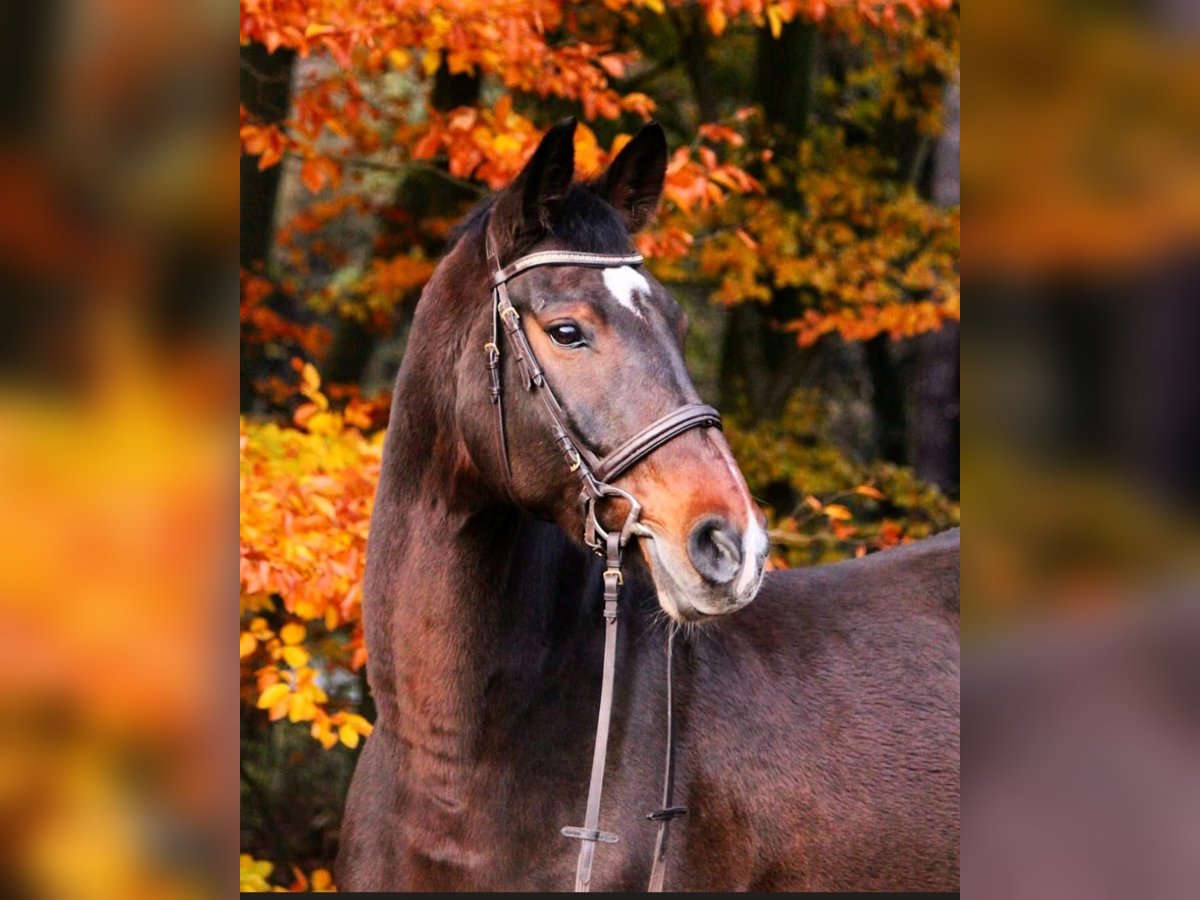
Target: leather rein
595,476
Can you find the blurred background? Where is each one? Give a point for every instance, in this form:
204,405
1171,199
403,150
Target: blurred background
811,229
1081,627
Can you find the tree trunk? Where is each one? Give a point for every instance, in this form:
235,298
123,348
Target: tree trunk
693,48
265,87
421,194
887,398
761,364
785,70
935,442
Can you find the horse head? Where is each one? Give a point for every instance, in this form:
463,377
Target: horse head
607,342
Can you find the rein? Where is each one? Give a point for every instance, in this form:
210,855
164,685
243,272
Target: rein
595,475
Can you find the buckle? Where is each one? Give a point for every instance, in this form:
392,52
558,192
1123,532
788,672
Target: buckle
578,462
666,815
609,572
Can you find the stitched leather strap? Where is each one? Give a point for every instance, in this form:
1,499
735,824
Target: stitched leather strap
649,439
591,833
665,813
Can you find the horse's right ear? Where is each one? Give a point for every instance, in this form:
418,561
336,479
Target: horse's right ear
531,204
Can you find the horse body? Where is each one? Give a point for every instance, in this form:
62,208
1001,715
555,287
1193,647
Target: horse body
816,730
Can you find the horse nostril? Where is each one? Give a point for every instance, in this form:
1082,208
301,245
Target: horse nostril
715,547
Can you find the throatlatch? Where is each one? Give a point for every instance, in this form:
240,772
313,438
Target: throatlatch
595,475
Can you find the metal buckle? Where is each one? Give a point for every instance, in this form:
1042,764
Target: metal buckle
510,310
616,572
578,462
666,815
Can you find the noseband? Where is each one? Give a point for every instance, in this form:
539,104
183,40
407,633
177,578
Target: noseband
595,476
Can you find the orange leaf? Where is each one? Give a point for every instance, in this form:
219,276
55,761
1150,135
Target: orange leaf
717,20
867,490
613,65
321,880
837,511
313,174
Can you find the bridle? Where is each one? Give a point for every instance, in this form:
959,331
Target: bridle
596,475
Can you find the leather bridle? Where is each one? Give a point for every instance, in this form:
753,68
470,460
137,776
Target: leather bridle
596,475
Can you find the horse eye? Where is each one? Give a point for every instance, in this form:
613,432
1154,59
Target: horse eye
566,334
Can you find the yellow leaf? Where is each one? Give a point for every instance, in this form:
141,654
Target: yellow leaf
295,656
775,18
273,695
314,29
323,506
348,736
506,145
431,62
292,633
837,511
300,708
258,628
248,644
867,491
358,723
309,377
399,59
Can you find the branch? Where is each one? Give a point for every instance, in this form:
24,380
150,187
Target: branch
261,76
358,162
648,74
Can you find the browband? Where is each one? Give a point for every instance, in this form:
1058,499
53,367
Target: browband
564,258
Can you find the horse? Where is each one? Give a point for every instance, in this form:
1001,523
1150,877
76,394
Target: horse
813,713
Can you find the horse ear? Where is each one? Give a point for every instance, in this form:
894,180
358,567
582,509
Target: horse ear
633,183
532,203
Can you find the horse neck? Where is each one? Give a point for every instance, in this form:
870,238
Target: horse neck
468,601
482,608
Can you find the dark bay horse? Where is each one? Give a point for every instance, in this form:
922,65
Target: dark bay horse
815,728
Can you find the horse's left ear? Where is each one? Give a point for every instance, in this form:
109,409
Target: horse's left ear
633,183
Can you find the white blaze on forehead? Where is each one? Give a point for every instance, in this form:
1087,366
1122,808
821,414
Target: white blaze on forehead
624,284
